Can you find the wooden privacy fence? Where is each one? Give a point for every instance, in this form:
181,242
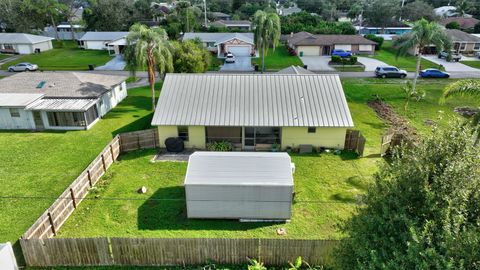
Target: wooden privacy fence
355,141
53,218
172,251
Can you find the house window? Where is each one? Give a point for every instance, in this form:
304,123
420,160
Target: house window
8,46
14,112
66,119
312,129
183,133
210,44
477,47
463,46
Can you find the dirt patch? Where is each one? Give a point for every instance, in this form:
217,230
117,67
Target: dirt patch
398,125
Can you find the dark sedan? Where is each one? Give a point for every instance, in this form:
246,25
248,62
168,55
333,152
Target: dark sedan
433,73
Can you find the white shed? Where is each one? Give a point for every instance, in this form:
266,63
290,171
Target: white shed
239,185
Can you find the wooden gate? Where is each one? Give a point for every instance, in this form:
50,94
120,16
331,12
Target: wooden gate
385,146
355,141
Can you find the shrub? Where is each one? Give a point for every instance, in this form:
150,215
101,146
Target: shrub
378,40
452,25
353,60
222,146
336,59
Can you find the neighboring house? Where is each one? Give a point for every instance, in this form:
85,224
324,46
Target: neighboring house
161,10
388,33
464,23
239,185
448,11
64,31
461,43
20,43
58,100
231,24
295,70
240,44
103,41
306,44
219,16
282,11
253,111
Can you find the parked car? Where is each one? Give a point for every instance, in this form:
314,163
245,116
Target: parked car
342,53
433,73
23,67
455,56
477,54
230,58
390,72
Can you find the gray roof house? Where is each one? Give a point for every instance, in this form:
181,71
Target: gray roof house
20,43
253,112
58,100
233,24
102,40
226,184
240,44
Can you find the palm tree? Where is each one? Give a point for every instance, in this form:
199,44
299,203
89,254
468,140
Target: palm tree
267,32
148,47
470,88
424,33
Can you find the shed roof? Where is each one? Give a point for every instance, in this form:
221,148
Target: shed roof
297,100
17,100
60,84
218,37
103,36
21,38
239,169
62,104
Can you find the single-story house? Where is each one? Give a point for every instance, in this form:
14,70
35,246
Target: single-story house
103,41
240,44
307,44
64,31
253,111
464,23
283,11
239,185
448,11
20,43
387,33
58,100
295,70
219,16
231,24
462,43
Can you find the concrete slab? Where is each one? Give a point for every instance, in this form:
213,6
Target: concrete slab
370,63
317,63
117,63
241,64
450,66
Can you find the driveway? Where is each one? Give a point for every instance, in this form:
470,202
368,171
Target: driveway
317,63
242,63
117,63
450,66
370,63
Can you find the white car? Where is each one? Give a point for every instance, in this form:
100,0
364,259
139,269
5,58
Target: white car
230,58
23,67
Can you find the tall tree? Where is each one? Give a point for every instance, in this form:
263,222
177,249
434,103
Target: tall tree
417,10
381,13
422,210
47,12
424,33
190,57
148,47
469,88
267,32
70,10
109,15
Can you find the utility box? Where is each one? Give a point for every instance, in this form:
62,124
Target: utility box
239,185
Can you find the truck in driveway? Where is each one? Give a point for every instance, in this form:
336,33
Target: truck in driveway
454,56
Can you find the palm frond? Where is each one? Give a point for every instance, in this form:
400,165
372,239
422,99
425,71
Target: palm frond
461,88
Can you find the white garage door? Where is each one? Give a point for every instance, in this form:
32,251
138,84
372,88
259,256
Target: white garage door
365,48
343,47
239,50
309,50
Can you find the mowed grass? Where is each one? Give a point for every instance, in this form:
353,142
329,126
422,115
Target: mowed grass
278,59
327,186
65,56
474,64
45,163
388,55
4,56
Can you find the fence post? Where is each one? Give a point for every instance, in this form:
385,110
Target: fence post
111,152
51,223
89,178
103,163
73,198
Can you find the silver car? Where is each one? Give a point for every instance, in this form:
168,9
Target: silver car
23,67
230,58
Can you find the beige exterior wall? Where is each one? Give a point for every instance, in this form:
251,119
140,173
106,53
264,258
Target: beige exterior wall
308,50
196,136
323,137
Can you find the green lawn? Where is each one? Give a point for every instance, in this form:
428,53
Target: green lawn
388,55
349,68
66,56
45,163
474,64
4,56
215,63
278,59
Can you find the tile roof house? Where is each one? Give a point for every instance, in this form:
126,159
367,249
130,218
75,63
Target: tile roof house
240,44
103,41
231,24
253,111
58,100
464,23
20,43
308,44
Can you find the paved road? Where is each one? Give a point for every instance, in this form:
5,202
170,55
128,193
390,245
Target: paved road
117,63
242,64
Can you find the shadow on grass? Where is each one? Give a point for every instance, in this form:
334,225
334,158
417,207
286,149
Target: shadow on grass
166,210
144,122
137,154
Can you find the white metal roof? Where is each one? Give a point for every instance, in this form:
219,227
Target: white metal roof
17,100
218,37
239,169
21,38
274,100
103,36
62,104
